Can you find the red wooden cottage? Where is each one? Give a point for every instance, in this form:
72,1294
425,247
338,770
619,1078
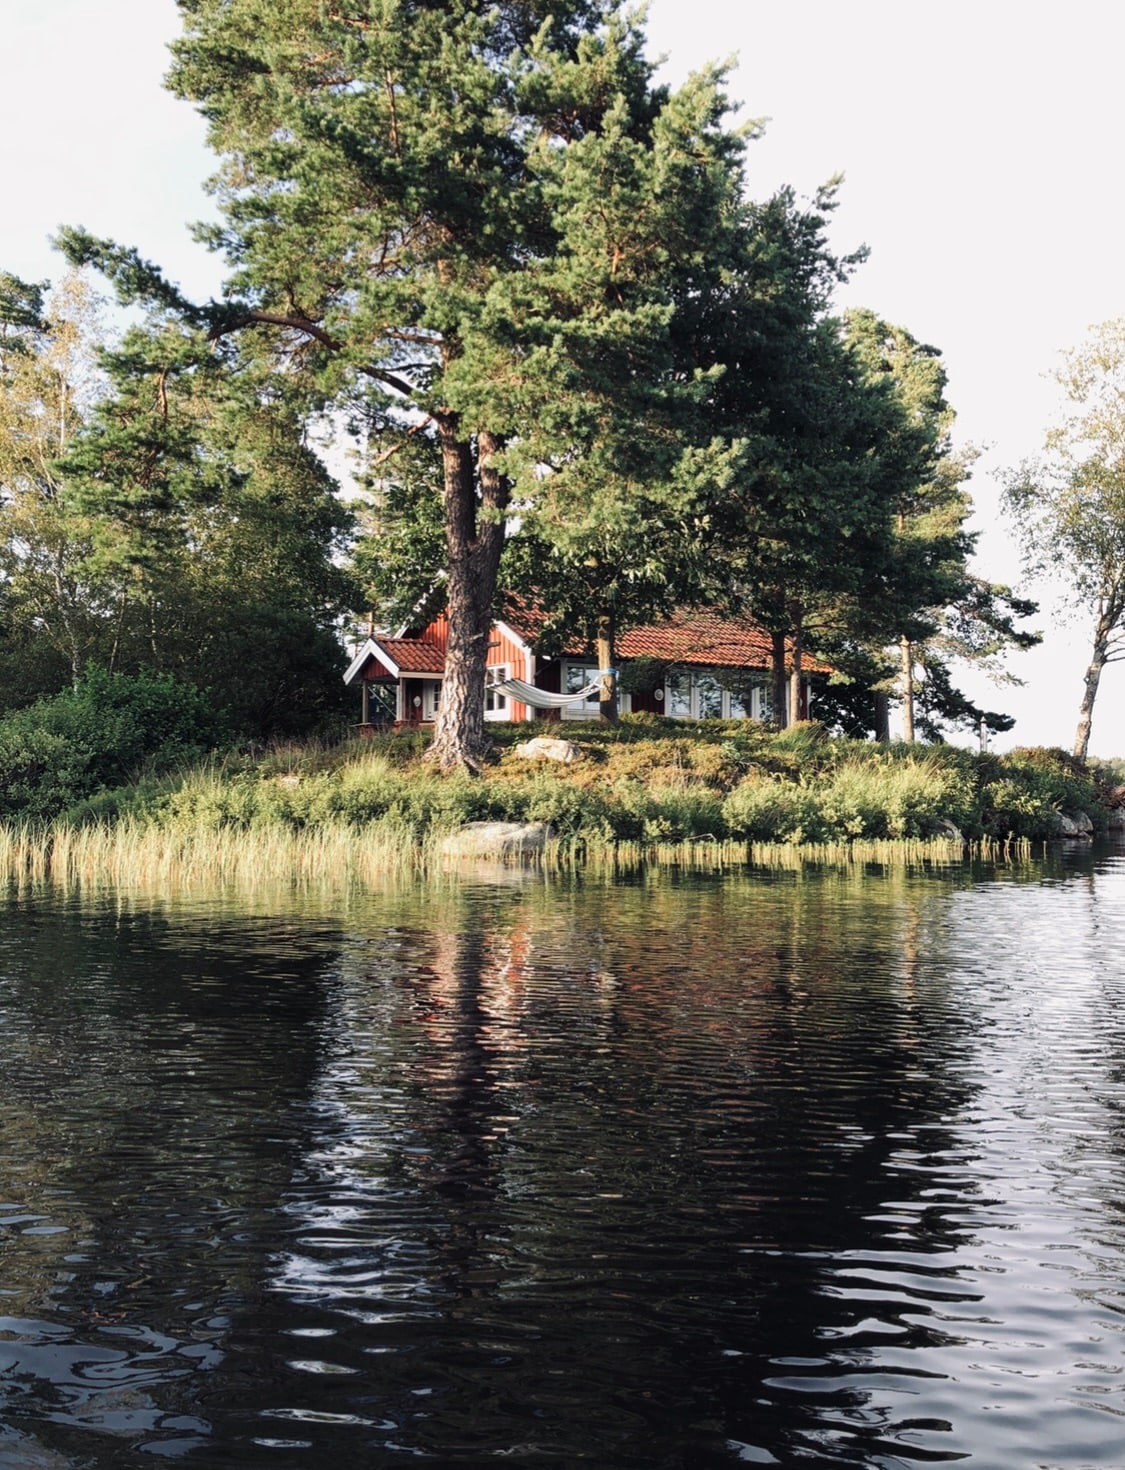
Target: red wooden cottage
697,666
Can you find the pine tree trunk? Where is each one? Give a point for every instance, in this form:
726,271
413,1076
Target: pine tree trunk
882,716
907,654
607,693
777,680
1097,663
474,540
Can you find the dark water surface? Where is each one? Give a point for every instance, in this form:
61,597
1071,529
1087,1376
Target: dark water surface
791,1169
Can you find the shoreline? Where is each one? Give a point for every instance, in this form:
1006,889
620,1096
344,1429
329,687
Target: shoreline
647,792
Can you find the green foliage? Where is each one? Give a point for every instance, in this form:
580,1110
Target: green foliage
1023,793
162,510
1069,507
470,228
643,674
102,733
650,785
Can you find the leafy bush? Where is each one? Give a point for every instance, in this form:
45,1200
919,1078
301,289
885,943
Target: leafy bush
104,732
1022,793
766,809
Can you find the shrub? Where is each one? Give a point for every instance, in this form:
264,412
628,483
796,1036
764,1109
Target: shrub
766,809
896,797
1023,792
102,733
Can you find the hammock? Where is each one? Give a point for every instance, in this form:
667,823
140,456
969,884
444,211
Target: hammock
539,698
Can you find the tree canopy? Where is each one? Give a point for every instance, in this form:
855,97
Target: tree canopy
1069,506
530,279
161,513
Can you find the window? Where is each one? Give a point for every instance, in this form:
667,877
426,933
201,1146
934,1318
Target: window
701,696
431,697
381,703
708,698
750,700
495,700
679,694
574,678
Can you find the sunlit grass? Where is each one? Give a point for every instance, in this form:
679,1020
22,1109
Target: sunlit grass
645,797
130,854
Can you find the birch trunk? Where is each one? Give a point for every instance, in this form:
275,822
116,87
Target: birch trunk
1098,658
906,650
796,711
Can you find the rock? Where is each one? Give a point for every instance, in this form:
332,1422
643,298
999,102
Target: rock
1074,824
497,839
945,828
548,748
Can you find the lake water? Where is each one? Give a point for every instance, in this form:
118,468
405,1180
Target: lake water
814,1168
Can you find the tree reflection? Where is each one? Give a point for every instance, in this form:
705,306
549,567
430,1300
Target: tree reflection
677,1172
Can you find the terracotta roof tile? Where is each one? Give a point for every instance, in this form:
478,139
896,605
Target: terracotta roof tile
689,636
414,655
699,638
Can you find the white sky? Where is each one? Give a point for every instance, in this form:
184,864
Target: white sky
980,142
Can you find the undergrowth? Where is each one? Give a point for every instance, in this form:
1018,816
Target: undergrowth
645,781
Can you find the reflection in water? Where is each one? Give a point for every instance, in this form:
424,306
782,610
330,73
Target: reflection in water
807,1168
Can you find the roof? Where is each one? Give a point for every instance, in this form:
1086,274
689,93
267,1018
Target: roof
699,638
687,636
415,655
399,656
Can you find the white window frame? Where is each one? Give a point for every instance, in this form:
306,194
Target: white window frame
694,677
714,687
497,706
586,674
431,697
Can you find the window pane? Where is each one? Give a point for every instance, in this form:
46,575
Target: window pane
494,702
679,693
710,696
577,677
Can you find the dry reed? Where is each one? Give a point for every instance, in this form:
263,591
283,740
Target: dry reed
130,854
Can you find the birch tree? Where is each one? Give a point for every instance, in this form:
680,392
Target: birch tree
49,383
1069,505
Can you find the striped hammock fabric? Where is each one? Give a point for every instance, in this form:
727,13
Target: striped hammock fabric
539,698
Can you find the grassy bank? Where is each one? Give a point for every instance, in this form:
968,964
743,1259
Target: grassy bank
650,790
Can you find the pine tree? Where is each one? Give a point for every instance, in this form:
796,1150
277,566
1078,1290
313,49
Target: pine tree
938,609
467,221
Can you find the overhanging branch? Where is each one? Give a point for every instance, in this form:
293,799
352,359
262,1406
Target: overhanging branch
299,323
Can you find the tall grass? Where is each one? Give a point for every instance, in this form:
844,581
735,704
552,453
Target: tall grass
132,855
695,800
